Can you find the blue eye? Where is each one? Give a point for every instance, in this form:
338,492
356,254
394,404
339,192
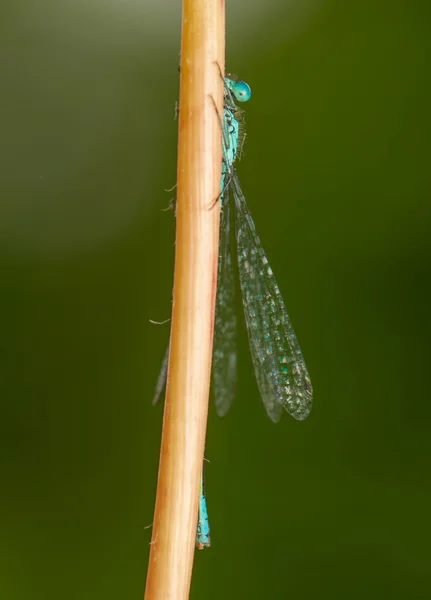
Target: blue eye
241,90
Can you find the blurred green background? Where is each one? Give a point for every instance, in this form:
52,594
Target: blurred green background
337,174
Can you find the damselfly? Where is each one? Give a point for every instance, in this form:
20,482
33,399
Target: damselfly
280,370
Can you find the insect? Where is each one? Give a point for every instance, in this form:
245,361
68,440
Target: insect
280,370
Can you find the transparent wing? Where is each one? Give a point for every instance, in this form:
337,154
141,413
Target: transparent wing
280,369
225,352
161,380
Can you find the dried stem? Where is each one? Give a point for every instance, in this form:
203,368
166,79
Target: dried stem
195,281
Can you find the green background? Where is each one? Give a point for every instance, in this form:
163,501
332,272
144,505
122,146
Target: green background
337,174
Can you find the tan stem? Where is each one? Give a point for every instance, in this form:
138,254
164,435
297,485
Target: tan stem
195,281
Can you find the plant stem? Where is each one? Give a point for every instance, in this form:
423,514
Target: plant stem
195,282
